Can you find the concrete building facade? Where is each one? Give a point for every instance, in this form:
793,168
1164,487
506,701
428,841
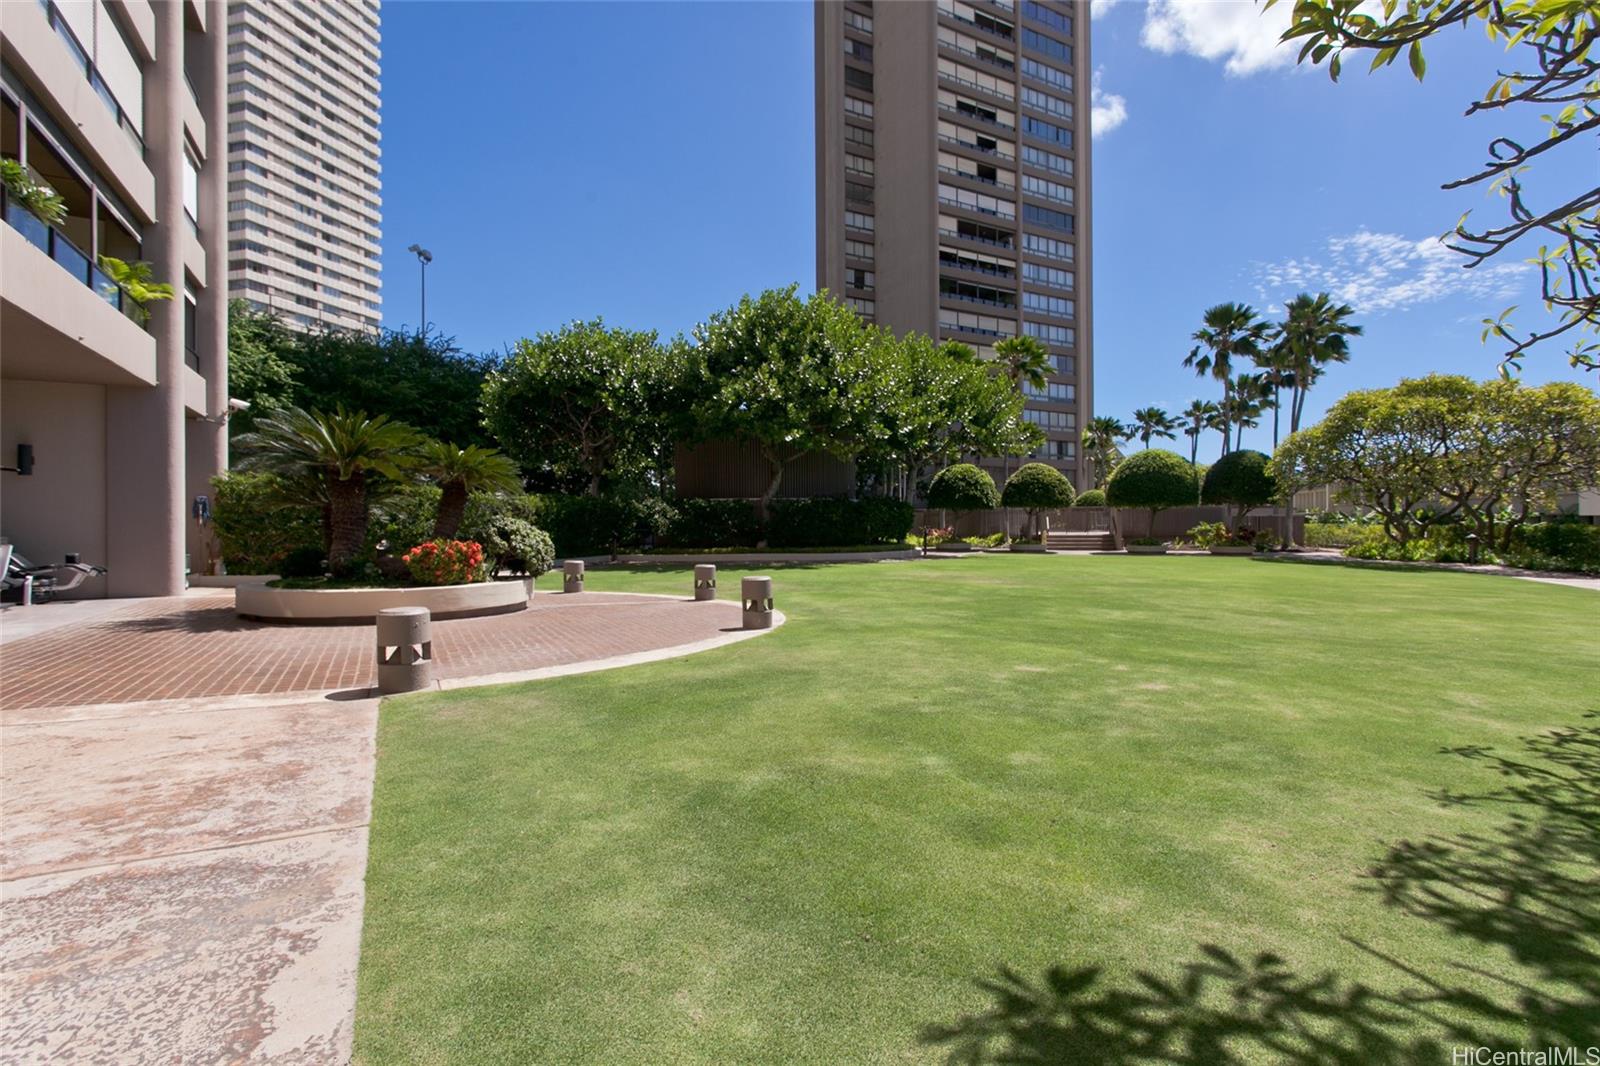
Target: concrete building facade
304,172
118,105
953,182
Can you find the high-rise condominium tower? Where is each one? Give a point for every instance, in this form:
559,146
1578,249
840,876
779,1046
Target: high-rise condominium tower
953,181
304,205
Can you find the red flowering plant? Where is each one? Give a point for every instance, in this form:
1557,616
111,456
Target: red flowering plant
446,562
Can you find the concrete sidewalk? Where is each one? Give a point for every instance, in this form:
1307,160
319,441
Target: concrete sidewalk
184,883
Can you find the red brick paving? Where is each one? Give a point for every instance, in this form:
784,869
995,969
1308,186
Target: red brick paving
196,647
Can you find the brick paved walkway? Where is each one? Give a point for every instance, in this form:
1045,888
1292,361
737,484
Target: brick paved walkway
195,646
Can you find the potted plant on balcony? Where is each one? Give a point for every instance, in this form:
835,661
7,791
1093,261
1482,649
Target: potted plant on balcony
959,488
45,203
136,282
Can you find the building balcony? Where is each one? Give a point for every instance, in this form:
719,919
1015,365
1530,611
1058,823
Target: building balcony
997,31
977,268
975,115
983,300
993,183
982,57
957,236
980,149
974,208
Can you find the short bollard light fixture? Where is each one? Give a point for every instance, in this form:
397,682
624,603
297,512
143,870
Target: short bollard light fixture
757,595
405,649
1472,549
572,575
705,581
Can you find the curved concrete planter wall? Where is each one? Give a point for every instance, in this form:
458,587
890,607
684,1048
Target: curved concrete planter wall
348,606
1232,549
1146,549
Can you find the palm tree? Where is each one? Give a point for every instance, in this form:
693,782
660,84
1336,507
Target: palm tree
1219,422
1230,331
343,451
1248,396
1154,422
460,471
1199,415
1314,333
1276,371
1025,362
1100,439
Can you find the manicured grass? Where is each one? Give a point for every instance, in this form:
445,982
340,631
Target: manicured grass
1013,809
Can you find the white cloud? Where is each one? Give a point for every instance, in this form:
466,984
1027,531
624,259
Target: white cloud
1101,8
1376,272
1235,30
1107,111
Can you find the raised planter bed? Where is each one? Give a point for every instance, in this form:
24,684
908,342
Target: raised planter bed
777,555
1232,549
1037,549
1146,549
355,606
954,546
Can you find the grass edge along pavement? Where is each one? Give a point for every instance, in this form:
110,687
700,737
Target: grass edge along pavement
960,807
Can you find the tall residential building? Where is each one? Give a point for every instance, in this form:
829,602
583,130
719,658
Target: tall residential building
304,206
122,409
953,191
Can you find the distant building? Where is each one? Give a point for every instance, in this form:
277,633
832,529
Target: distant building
953,182
305,211
119,107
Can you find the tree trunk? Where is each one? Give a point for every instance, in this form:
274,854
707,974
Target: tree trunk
763,505
347,517
452,505
1194,450
1275,395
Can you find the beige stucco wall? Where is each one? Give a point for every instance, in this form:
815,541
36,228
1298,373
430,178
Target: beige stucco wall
62,507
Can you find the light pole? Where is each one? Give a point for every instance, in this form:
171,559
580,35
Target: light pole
424,257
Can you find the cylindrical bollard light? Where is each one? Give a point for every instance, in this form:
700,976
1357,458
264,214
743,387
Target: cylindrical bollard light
405,649
572,575
705,581
757,595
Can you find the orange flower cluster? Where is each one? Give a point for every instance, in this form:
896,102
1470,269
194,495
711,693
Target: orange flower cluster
446,562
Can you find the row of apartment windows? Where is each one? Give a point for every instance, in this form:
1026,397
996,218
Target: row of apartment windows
858,49
1051,419
859,279
350,186
858,135
956,289
975,141
858,249
973,322
974,79
960,259
1046,73
1056,449
856,106
1043,101
857,78
976,201
1048,305
1038,157
984,172
1039,274
965,12
982,51
857,164
311,78
858,220
1047,131
1044,216
338,126
862,307
1054,19
1048,247
1050,190
1065,336
1053,392
857,21
331,53
1048,45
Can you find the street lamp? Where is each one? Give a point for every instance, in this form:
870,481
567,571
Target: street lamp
424,257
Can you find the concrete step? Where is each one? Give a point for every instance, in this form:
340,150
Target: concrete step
1067,541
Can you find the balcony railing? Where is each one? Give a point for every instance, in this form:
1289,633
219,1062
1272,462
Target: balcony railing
955,235
976,115
977,268
971,147
59,247
1007,34
966,298
992,212
968,83
982,57
996,182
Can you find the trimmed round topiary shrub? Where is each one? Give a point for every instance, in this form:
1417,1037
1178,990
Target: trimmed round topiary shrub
963,487
1153,480
1240,480
1090,498
1037,487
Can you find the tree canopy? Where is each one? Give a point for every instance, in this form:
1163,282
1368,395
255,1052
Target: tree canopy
1242,479
963,487
1037,487
1445,447
1154,480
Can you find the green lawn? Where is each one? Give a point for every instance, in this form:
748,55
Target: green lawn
1011,809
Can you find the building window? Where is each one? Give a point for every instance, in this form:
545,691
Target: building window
191,187
1047,131
1044,72
1057,449
1049,305
1048,45
1048,247
191,328
857,21
1051,419
1044,216
1041,14
979,50
858,50
1038,157
858,164
1053,392
956,289
857,220
856,192
855,106
1043,101
972,322
1045,275
858,279
858,249
862,307
976,201
858,79
858,135
1065,364
1050,190
1062,335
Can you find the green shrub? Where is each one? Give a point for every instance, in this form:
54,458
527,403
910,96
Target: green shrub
1557,546
504,523
402,518
259,528
1241,479
1333,534
1153,479
1091,498
1037,487
823,521
303,562
713,524
1208,534
963,487
599,525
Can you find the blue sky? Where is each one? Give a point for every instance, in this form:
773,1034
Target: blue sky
565,161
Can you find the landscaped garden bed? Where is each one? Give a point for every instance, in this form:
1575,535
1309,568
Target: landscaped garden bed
328,606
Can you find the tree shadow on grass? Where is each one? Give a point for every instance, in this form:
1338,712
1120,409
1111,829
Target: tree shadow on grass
1529,890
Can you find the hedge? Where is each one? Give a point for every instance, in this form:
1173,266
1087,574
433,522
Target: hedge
257,529
822,521
713,524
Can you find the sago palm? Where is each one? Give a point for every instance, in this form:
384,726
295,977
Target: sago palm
1230,331
1314,333
459,472
1198,416
1154,422
346,451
